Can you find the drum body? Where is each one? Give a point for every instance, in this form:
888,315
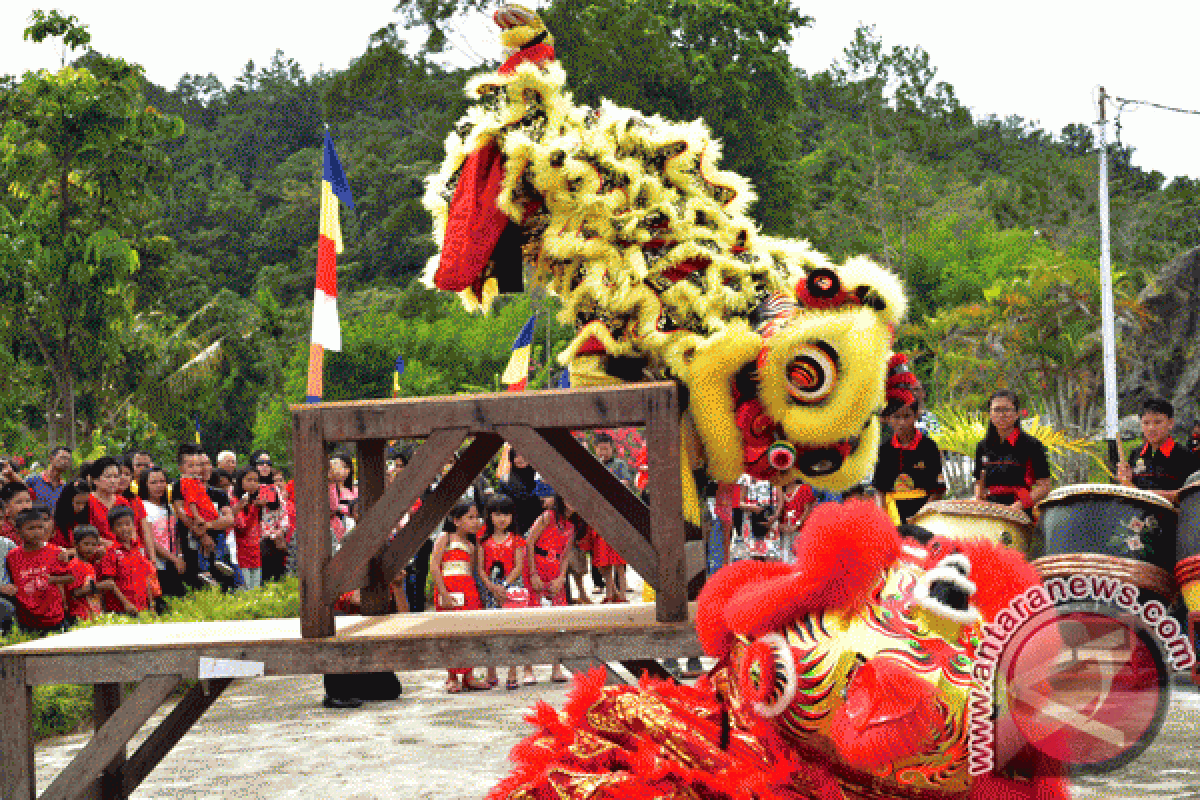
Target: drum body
1187,546
1119,531
967,519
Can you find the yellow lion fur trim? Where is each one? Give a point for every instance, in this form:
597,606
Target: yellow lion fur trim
629,201
709,379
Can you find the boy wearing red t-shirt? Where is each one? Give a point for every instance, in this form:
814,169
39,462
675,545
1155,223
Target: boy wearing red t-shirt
83,595
37,572
126,576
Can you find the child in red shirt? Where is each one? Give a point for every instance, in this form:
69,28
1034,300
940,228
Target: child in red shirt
500,562
452,567
38,573
250,498
127,577
83,596
14,498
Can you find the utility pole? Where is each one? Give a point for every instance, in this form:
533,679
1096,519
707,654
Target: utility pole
1107,326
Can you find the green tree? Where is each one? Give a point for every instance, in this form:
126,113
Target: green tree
78,158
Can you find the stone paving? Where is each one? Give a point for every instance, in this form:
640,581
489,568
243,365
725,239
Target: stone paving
271,738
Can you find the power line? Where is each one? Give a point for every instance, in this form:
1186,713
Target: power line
1127,101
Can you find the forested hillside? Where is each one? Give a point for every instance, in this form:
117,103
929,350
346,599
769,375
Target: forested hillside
992,222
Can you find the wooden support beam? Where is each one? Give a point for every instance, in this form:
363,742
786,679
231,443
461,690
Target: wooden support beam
602,407
435,507
376,597
666,504
592,504
17,776
106,698
104,754
312,523
348,569
595,473
171,730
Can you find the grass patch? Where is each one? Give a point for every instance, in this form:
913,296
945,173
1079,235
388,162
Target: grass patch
60,709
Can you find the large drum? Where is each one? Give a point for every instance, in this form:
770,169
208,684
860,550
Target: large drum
966,519
1119,531
1187,546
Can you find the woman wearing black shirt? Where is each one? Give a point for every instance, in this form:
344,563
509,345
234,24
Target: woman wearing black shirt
1010,465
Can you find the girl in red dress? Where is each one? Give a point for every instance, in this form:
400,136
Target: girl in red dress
500,561
612,566
451,566
547,545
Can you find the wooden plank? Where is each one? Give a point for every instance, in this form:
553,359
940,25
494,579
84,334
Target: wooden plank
106,698
649,666
312,522
434,508
666,502
172,728
17,776
397,641
598,407
348,569
591,504
595,473
104,755
376,597
581,666
316,656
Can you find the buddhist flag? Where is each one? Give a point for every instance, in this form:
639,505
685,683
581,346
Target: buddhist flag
326,329
396,376
516,374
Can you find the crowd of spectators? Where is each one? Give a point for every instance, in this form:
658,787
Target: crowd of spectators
114,534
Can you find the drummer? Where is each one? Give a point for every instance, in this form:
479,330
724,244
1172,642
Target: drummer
1010,465
1160,465
908,472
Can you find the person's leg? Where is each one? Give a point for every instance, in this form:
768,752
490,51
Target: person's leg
339,691
8,614
252,576
597,578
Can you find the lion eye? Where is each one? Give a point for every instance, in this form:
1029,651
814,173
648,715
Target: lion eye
812,373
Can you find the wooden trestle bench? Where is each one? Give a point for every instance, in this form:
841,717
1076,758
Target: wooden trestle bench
158,658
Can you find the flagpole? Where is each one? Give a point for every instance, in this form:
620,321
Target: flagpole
1107,327
326,328
316,377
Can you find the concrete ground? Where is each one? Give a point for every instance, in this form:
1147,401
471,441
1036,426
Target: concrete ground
271,738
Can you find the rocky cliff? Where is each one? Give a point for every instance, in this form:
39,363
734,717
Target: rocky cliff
1167,354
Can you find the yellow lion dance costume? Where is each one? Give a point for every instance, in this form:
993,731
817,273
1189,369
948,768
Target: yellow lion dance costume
629,220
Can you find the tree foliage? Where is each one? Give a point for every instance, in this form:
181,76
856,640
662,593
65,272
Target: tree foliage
197,251
80,159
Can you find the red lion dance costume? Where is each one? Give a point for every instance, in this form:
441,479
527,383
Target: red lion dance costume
845,676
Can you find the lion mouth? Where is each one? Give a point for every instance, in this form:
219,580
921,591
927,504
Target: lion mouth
825,459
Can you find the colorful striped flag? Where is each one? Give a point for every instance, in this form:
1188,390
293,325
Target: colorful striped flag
516,374
326,328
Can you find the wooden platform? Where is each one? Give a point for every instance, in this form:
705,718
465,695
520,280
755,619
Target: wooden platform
160,657
463,432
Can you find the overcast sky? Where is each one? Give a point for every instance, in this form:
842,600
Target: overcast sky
1039,60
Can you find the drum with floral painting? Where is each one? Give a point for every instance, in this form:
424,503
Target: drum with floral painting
1118,531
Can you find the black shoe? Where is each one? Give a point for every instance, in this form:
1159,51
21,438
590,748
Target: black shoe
223,569
342,702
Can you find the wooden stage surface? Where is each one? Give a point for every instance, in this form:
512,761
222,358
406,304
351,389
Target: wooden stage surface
160,657
393,642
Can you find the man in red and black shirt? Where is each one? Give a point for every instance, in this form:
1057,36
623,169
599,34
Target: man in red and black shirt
1161,465
1010,465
